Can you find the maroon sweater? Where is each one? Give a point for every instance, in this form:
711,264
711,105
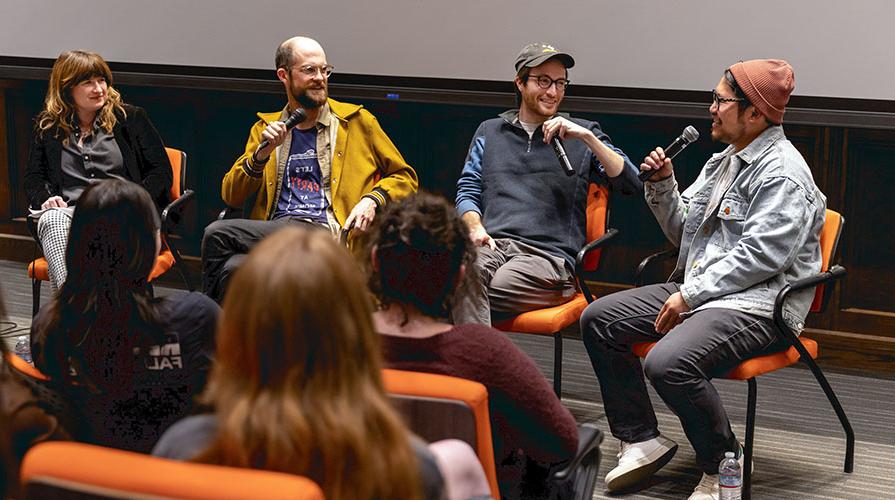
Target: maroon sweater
525,412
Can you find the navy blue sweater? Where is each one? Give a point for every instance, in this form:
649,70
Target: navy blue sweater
522,193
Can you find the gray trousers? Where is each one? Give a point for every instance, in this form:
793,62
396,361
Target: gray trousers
513,279
708,344
225,245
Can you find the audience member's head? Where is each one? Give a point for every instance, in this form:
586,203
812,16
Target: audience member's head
103,310
419,249
79,81
296,383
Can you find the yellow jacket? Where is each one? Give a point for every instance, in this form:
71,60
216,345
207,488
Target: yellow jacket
364,162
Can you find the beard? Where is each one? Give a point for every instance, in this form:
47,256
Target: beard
306,101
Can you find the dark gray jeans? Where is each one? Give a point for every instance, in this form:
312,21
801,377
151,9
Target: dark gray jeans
513,279
708,344
225,244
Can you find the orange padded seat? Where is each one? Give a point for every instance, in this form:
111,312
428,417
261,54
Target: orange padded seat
546,321
751,367
77,470
38,270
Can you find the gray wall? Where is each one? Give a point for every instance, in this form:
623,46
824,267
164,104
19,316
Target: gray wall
839,49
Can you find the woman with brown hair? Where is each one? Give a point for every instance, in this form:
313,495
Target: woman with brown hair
296,383
86,133
128,362
419,252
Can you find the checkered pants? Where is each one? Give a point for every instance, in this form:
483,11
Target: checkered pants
52,231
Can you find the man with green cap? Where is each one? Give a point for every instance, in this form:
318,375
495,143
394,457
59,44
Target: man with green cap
525,215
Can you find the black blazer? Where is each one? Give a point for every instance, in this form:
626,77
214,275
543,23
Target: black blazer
145,160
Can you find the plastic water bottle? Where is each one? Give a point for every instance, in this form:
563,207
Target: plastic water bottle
23,347
730,477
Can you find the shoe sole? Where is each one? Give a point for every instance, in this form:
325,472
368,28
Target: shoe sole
632,477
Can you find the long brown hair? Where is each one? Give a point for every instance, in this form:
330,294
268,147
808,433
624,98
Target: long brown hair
70,69
105,307
296,384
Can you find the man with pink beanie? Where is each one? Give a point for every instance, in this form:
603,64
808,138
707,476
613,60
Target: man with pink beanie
748,226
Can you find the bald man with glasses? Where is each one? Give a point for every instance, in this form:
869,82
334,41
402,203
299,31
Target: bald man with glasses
525,215
334,170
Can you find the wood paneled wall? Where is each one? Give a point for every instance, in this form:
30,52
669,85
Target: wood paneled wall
851,164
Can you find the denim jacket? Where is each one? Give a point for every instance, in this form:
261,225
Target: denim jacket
763,234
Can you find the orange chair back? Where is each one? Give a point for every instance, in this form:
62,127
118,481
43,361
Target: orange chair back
178,170
442,387
829,244
77,470
24,368
597,212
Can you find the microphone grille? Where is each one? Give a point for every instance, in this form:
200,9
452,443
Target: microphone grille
295,118
690,134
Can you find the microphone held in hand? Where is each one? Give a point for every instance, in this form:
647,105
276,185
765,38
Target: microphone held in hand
560,150
294,119
687,136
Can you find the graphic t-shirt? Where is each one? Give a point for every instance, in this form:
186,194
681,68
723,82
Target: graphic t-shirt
301,194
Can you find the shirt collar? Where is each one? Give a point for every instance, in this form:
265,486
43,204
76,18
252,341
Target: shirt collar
324,119
76,128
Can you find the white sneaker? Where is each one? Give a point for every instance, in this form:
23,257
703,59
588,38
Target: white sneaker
638,461
707,489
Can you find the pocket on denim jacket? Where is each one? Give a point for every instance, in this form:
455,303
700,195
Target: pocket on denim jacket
731,218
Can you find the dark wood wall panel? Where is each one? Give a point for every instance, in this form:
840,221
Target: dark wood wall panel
852,166
866,301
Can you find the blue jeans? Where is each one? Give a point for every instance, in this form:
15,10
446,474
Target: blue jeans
708,344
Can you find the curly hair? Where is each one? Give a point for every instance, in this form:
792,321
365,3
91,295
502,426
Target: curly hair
70,69
420,245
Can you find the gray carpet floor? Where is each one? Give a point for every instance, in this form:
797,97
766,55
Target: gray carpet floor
799,446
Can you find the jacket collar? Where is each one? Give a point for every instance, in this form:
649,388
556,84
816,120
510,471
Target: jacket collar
767,138
341,110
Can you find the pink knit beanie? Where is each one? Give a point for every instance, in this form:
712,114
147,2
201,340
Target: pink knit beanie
767,83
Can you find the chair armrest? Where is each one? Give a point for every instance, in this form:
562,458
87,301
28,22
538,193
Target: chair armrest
172,214
834,273
589,439
579,260
649,260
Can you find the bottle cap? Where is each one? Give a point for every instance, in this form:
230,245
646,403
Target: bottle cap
729,454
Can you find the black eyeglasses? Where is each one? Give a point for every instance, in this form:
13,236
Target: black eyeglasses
718,100
545,82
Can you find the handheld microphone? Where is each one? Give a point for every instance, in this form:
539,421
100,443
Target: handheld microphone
560,151
687,136
294,119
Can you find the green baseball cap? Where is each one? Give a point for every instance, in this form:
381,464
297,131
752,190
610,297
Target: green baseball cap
534,54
